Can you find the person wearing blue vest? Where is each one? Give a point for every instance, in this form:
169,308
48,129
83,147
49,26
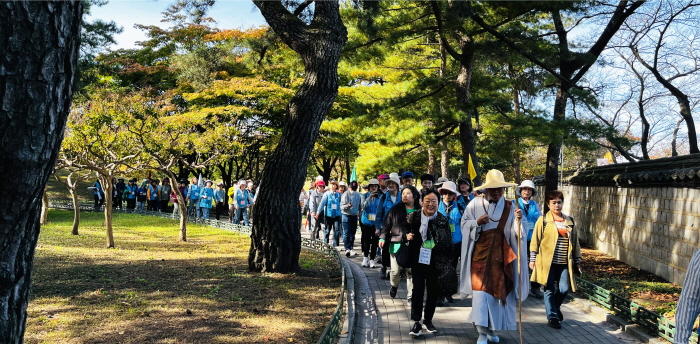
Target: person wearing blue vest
193,198
98,194
130,194
330,203
153,196
206,195
386,202
531,212
464,196
370,235
242,199
448,207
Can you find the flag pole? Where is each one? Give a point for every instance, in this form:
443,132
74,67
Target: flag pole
520,299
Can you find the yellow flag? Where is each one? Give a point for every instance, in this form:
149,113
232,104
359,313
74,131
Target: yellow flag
609,156
471,170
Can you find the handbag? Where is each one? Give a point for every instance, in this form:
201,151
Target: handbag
404,255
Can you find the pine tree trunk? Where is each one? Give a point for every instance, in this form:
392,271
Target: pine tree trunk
554,148
276,238
76,210
39,42
467,137
431,161
444,159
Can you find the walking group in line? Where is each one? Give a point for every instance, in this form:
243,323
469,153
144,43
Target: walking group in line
200,198
505,250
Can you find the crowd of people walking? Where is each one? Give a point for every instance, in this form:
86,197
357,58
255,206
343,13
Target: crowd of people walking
504,250
200,197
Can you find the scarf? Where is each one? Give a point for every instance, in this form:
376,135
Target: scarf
424,224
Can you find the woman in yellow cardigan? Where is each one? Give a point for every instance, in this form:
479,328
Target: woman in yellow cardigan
555,255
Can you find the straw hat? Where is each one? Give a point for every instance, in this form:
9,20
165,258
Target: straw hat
494,180
526,184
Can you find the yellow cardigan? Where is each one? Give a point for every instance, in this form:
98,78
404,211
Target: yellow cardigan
544,241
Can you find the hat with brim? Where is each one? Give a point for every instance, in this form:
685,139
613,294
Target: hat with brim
334,182
495,180
320,183
373,182
440,181
383,176
448,186
342,183
394,177
526,184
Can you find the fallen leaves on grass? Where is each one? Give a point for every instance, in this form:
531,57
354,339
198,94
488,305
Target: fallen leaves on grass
642,287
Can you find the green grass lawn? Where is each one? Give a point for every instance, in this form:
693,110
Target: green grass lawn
154,289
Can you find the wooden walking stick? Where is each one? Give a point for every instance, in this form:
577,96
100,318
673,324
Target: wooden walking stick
520,299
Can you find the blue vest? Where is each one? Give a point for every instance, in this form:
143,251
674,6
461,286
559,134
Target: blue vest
453,218
371,208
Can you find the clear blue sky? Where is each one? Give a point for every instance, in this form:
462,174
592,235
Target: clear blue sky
229,14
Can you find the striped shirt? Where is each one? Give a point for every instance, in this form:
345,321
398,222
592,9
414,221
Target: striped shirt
561,251
689,303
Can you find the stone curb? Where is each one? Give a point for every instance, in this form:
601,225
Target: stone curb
347,333
603,315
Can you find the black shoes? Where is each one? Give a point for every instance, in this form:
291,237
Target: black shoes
440,302
429,327
554,323
560,315
416,330
382,273
392,292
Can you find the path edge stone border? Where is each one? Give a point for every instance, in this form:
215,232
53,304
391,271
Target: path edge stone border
631,330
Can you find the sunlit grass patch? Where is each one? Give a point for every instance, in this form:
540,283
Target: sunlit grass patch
153,289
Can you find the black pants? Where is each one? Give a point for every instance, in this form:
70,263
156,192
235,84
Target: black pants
164,206
153,205
219,209
424,277
533,285
131,203
457,253
117,202
368,241
99,202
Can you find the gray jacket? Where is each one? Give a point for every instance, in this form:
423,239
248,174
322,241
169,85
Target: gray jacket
355,199
314,201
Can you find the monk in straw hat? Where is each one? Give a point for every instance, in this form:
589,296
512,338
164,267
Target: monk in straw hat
490,272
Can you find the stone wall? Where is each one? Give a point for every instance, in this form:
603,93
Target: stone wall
651,224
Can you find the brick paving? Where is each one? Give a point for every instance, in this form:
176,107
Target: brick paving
390,318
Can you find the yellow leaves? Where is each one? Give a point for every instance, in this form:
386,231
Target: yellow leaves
237,34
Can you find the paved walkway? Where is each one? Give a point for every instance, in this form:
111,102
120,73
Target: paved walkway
383,320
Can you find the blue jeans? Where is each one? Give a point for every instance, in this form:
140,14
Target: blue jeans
193,207
332,223
241,212
349,230
205,213
556,289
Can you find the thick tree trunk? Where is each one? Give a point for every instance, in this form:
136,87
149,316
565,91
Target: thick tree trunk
674,147
44,208
276,238
39,41
554,147
444,159
76,210
467,137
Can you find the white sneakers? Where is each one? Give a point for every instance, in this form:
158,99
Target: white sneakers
365,262
352,253
371,263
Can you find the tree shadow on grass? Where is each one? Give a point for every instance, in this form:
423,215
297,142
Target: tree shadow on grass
198,300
